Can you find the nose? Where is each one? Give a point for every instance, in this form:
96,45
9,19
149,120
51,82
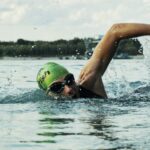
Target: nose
68,91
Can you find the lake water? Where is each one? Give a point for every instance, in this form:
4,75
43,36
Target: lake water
30,120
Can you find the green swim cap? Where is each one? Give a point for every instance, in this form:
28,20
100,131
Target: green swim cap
49,73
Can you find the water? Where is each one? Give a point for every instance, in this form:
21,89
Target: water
31,120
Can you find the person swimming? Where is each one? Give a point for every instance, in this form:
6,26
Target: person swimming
56,80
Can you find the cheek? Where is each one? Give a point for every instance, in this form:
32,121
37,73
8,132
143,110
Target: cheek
68,91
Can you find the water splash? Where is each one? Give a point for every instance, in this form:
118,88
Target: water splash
22,96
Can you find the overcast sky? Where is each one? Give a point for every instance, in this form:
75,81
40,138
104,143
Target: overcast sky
55,19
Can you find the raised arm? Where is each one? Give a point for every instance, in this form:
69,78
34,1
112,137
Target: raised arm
106,48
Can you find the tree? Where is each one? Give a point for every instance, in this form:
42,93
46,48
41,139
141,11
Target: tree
130,47
24,42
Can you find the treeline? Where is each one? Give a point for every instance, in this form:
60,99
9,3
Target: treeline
76,47
25,48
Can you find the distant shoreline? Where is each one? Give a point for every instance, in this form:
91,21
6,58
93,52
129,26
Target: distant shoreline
62,58
27,58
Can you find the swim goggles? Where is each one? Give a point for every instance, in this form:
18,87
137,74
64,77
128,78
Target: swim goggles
58,87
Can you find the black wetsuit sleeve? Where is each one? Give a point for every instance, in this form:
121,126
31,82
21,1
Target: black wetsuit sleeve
85,93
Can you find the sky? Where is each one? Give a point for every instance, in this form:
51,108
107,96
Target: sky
65,19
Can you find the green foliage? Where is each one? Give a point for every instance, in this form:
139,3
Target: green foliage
24,42
62,47
1,52
42,48
130,47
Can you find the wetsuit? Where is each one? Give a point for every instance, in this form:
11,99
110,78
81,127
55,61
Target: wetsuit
84,93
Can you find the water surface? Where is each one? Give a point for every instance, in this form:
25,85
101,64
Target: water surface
31,120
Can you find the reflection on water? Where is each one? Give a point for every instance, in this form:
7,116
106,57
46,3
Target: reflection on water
77,125
83,124
31,120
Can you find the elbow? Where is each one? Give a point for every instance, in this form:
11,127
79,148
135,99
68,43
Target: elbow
116,31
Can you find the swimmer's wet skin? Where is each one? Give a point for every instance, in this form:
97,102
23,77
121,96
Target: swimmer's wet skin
55,79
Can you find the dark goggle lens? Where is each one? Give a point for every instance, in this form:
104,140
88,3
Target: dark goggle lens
57,87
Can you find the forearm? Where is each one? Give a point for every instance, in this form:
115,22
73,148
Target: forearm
129,30
106,48
108,45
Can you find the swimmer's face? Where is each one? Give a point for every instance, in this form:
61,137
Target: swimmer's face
70,91
64,87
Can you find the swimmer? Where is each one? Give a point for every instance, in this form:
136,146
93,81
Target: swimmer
57,81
